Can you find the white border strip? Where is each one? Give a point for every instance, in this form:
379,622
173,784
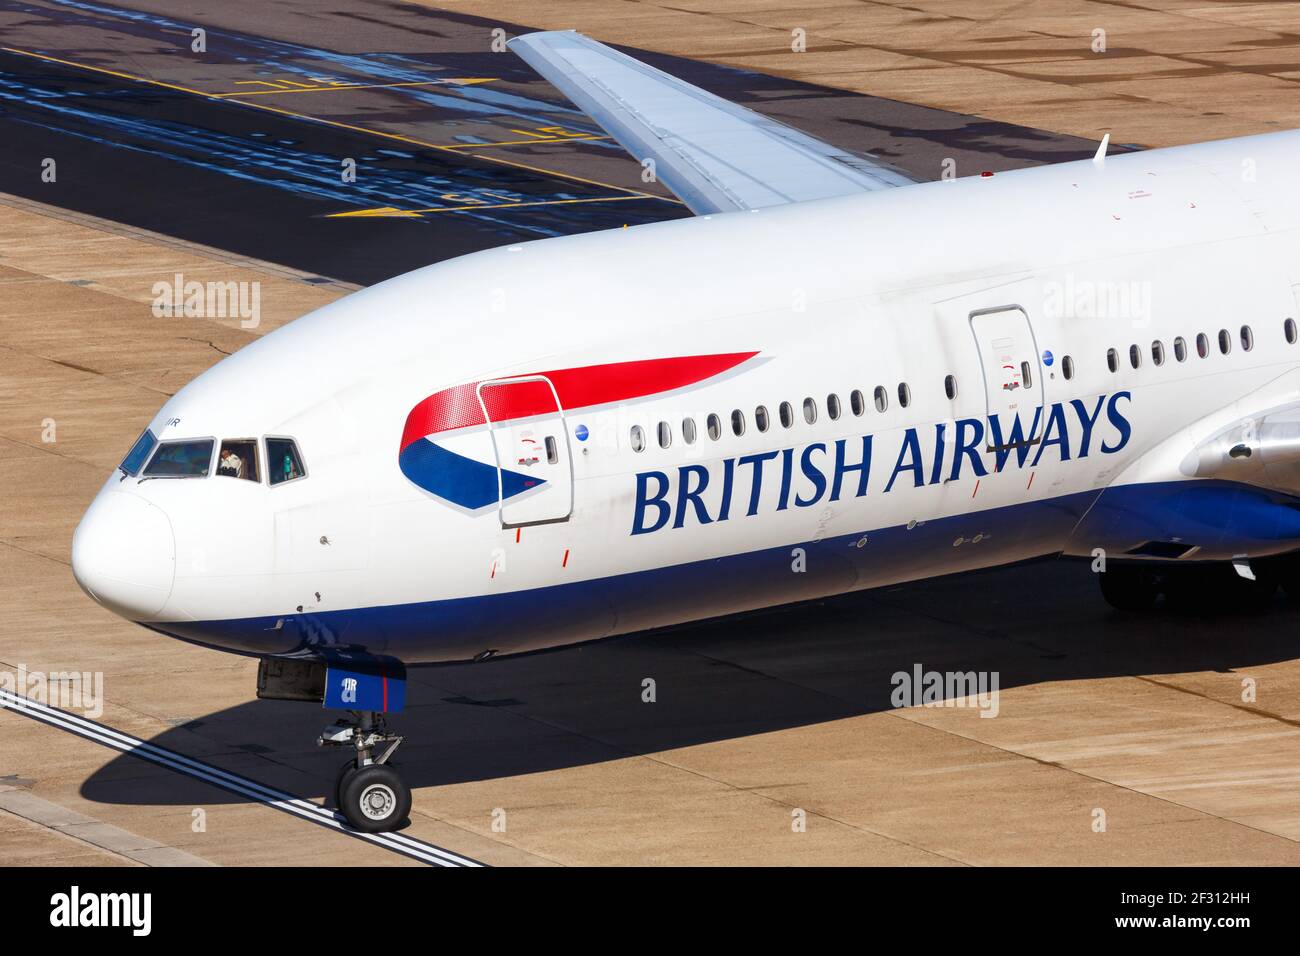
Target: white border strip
244,787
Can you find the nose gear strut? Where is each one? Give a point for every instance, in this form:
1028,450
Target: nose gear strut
368,791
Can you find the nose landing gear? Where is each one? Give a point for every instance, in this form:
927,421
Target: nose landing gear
368,791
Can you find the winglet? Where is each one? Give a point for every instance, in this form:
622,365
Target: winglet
1100,159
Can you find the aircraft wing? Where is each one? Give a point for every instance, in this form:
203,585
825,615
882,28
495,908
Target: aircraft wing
716,156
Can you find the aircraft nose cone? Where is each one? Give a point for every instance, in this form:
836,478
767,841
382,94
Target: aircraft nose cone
124,555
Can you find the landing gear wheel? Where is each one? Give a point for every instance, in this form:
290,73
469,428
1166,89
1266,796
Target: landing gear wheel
1217,589
1250,597
375,799
1129,588
340,779
1285,570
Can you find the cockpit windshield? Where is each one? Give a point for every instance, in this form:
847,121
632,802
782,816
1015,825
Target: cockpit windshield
283,463
238,459
138,453
181,459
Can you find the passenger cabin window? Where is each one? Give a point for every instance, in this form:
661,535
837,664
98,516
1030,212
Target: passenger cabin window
787,414
950,386
1067,366
688,431
665,435
145,444
833,406
738,422
810,410
1180,349
714,424
181,459
1158,352
1134,356
882,398
905,390
761,421
238,459
283,463
1225,341
637,437
1289,329
1112,360
857,402
1202,344
1247,338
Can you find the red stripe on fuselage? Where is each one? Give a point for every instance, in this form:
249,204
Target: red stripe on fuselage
458,407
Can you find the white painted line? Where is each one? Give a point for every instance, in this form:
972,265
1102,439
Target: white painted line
243,786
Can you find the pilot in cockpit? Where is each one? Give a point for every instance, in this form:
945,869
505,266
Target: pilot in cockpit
230,464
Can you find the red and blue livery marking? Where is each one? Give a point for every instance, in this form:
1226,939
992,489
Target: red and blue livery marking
472,484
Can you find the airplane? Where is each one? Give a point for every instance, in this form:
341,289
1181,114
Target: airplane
831,378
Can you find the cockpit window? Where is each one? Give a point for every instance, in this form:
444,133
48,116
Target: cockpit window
138,453
238,458
181,459
283,463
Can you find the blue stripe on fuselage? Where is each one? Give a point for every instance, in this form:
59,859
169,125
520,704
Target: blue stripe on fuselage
1222,519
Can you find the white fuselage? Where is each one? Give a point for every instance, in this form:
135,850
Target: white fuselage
832,297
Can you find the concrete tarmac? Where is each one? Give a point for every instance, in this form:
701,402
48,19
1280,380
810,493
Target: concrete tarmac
1157,73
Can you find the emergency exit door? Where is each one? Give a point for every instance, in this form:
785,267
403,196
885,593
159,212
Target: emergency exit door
1013,379
534,464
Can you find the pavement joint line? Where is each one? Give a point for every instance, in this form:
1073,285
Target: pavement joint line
1015,753
727,785
1253,711
9,543
930,56
242,786
903,715
85,371
96,833
500,838
45,448
228,749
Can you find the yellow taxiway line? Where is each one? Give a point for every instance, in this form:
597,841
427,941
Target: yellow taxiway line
457,80
396,137
383,211
527,142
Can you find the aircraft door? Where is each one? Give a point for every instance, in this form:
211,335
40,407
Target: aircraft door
1013,373
534,462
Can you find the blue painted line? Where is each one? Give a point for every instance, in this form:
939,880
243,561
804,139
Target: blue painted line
286,57
288,164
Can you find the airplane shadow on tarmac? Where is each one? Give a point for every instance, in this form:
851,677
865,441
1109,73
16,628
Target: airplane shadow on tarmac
721,680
